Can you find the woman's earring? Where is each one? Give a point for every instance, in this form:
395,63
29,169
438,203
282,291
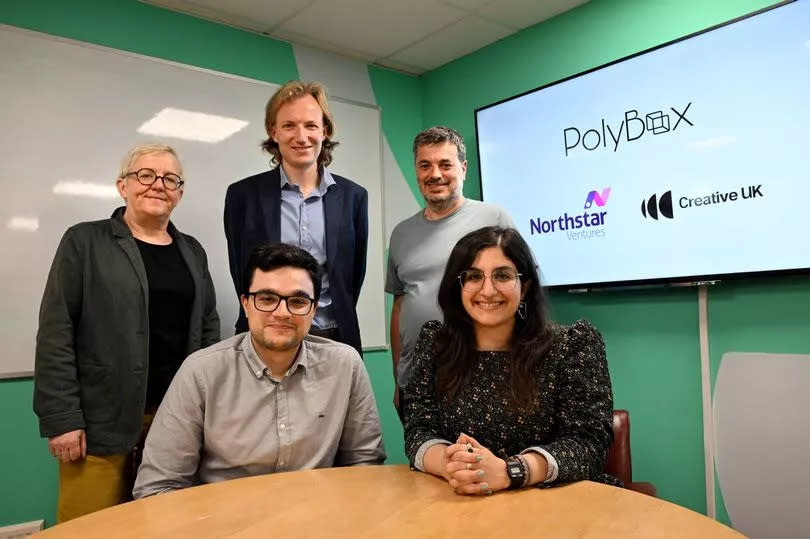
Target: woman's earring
521,311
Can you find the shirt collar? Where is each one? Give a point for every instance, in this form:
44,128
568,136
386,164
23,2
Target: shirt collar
257,366
326,181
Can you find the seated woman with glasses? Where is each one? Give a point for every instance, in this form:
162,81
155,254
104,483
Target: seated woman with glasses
126,300
501,397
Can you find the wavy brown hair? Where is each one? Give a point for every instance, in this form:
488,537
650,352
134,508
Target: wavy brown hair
295,89
455,348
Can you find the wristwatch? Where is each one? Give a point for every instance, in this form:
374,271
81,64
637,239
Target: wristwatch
516,472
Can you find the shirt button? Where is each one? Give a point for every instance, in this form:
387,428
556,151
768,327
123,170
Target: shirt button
281,426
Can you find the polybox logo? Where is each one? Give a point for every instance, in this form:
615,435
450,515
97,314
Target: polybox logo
600,200
633,126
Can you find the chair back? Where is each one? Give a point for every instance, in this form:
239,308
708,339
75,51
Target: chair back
619,463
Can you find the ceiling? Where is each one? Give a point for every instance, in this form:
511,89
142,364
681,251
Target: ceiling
412,36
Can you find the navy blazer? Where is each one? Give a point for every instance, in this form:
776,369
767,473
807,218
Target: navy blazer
253,218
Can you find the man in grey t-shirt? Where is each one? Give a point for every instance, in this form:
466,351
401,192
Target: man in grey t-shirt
421,244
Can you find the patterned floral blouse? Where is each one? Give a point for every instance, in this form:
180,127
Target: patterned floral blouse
572,420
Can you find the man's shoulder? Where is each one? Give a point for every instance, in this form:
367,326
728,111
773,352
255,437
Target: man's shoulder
326,351
480,206
346,183
214,357
246,184
486,214
408,224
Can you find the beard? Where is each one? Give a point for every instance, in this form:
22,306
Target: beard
439,202
276,343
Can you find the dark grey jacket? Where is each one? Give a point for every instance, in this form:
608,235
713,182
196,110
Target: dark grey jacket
92,349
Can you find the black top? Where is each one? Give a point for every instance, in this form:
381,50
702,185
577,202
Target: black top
572,419
171,292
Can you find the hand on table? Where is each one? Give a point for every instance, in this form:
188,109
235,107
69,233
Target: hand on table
69,446
474,469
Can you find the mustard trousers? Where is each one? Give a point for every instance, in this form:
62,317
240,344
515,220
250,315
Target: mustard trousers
98,481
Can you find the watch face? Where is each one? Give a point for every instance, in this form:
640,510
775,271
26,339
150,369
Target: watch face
514,469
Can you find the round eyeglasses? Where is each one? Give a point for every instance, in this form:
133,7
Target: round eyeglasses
147,176
503,279
268,302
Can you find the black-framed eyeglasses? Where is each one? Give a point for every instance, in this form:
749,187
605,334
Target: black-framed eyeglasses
503,279
147,176
268,302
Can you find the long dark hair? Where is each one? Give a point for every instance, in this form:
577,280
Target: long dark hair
455,347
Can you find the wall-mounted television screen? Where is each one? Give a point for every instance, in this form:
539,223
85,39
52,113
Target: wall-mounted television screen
687,161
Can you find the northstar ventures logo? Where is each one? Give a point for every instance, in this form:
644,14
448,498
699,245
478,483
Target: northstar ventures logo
571,224
656,206
630,129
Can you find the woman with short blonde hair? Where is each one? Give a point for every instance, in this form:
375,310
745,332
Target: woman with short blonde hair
126,300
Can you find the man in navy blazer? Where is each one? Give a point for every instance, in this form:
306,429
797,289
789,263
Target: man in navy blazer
301,203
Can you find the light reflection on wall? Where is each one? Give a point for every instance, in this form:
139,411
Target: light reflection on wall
190,125
24,224
83,188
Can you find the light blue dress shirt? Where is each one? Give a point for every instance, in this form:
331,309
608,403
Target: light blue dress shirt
303,224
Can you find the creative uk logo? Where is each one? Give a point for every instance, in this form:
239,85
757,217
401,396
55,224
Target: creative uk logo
595,196
580,226
655,206
630,129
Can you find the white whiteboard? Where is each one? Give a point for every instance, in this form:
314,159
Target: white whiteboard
69,111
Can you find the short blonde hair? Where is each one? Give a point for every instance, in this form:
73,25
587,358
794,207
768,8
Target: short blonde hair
295,89
146,148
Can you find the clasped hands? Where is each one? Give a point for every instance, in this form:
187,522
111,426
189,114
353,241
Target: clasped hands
471,468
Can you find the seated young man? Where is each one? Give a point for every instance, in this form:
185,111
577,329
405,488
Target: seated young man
274,399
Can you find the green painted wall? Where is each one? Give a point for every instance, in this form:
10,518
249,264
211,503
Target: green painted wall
141,28
400,100
28,473
651,337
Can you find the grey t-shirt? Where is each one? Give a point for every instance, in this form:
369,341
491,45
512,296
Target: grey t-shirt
417,256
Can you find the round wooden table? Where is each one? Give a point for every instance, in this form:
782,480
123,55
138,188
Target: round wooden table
385,502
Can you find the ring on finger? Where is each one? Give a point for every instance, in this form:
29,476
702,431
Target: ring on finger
469,466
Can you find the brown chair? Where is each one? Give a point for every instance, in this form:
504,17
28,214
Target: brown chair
618,463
